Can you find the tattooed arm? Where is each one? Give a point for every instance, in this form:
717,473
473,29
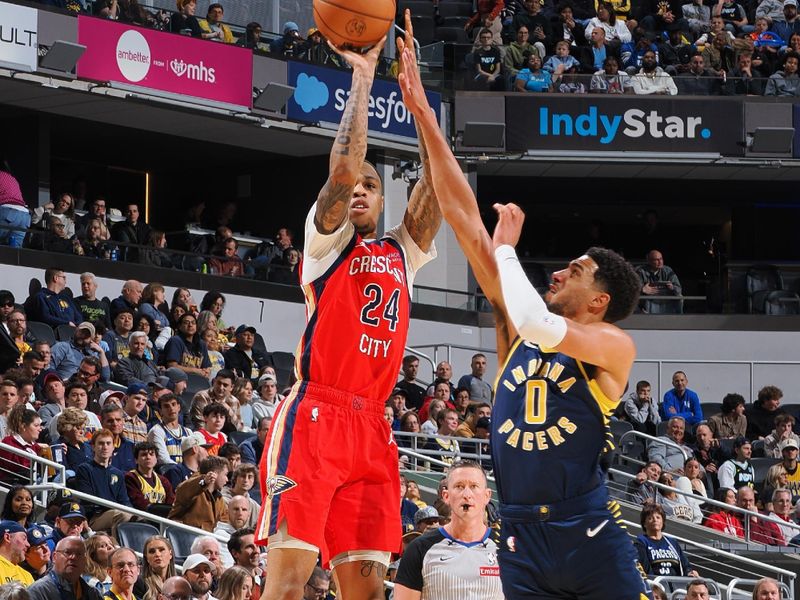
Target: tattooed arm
423,217
350,146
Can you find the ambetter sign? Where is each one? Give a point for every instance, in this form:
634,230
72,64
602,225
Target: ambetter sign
18,46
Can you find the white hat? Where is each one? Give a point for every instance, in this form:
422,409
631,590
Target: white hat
109,393
192,440
194,560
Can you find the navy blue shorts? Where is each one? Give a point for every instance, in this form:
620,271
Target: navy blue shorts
560,551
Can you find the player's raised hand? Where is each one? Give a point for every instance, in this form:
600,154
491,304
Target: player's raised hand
407,41
411,85
509,225
365,62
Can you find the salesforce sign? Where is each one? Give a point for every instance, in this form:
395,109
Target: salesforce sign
643,124
321,93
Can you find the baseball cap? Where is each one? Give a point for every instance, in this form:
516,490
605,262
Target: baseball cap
108,394
136,388
195,560
788,443
11,527
162,382
69,510
424,514
193,440
266,377
740,441
400,392
52,376
789,3
37,536
175,375
312,31
290,26
242,328
88,327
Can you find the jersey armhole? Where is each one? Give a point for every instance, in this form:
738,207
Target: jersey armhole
414,258
321,251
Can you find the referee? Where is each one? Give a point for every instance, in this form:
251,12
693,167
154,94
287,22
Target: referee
457,561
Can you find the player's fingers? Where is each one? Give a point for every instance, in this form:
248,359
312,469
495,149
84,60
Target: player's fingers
400,44
377,48
408,63
408,25
404,84
340,51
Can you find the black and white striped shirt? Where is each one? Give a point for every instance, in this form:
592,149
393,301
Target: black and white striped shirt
444,568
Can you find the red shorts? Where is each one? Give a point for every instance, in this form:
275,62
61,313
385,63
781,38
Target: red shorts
329,470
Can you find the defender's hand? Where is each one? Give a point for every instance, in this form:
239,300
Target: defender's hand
411,85
509,225
407,41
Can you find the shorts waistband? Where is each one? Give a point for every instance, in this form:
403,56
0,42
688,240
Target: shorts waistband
532,513
15,207
340,398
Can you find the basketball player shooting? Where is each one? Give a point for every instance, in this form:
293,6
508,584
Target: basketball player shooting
565,367
329,471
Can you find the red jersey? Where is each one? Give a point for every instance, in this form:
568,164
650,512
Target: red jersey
358,299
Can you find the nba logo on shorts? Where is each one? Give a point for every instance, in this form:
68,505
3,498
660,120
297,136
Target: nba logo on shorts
511,542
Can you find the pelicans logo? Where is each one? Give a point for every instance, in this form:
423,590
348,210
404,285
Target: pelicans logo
278,485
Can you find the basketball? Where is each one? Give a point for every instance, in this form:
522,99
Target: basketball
355,23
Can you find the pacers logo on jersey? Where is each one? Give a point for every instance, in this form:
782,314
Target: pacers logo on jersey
535,376
278,485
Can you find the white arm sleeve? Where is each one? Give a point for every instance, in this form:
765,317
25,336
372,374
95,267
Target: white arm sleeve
526,309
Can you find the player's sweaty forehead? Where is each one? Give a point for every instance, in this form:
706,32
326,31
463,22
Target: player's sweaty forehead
585,263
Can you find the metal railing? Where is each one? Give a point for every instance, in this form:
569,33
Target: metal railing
44,486
728,559
658,440
416,449
445,352
744,513
38,470
735,592
143,515
751,364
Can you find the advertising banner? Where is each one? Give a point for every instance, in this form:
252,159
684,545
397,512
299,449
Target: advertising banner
18,29
165,62
627,123
320,95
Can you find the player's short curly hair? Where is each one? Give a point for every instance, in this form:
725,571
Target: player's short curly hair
616,276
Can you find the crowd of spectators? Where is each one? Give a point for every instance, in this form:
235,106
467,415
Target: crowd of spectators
696,457
662,47
109,402
102,233
183,20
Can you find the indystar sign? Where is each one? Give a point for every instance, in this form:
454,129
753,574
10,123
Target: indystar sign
633,123
559,122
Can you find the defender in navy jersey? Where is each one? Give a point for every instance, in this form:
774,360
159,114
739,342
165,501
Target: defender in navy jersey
560,537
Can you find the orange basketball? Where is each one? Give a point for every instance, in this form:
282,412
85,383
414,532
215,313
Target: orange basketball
356,23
